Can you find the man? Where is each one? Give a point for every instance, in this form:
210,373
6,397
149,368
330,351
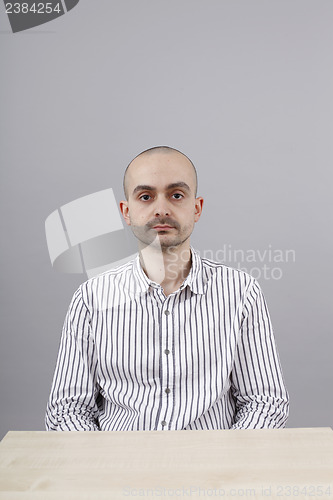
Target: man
167,341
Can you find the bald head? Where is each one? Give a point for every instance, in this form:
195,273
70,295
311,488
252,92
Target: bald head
158,150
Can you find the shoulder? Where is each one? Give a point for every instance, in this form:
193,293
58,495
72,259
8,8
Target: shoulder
225,271
227,280
111,274
101,285
230,283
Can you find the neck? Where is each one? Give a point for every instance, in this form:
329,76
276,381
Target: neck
166,266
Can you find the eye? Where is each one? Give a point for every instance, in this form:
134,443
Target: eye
178,196
144,197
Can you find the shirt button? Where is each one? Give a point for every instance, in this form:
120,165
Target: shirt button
167,351
167,390
163,423
167,313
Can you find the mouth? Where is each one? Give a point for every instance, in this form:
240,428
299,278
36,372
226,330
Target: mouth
162,228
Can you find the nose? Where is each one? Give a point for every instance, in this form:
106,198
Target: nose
161,208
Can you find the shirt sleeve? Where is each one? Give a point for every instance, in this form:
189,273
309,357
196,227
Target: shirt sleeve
72,404
257,384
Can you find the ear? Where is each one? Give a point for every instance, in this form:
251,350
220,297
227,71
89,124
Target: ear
123,205
198,208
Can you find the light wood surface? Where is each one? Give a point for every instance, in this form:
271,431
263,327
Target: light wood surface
273,464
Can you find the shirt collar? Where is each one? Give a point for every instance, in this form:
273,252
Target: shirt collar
195,280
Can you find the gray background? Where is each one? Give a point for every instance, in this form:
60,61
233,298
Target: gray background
242,87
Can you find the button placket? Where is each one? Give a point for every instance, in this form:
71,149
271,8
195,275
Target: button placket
167,364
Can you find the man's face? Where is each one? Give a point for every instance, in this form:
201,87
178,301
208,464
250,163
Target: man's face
161,206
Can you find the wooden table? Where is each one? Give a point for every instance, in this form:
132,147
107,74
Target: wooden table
271,464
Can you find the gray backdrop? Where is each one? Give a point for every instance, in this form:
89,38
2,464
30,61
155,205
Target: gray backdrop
242,87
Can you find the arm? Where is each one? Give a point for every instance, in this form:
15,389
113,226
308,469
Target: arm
72,403
257,384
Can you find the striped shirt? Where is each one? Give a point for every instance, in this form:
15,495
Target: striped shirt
204,357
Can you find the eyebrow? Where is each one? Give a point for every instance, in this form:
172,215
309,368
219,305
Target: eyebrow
145,187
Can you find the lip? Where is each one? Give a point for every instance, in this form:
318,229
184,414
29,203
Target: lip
163,227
